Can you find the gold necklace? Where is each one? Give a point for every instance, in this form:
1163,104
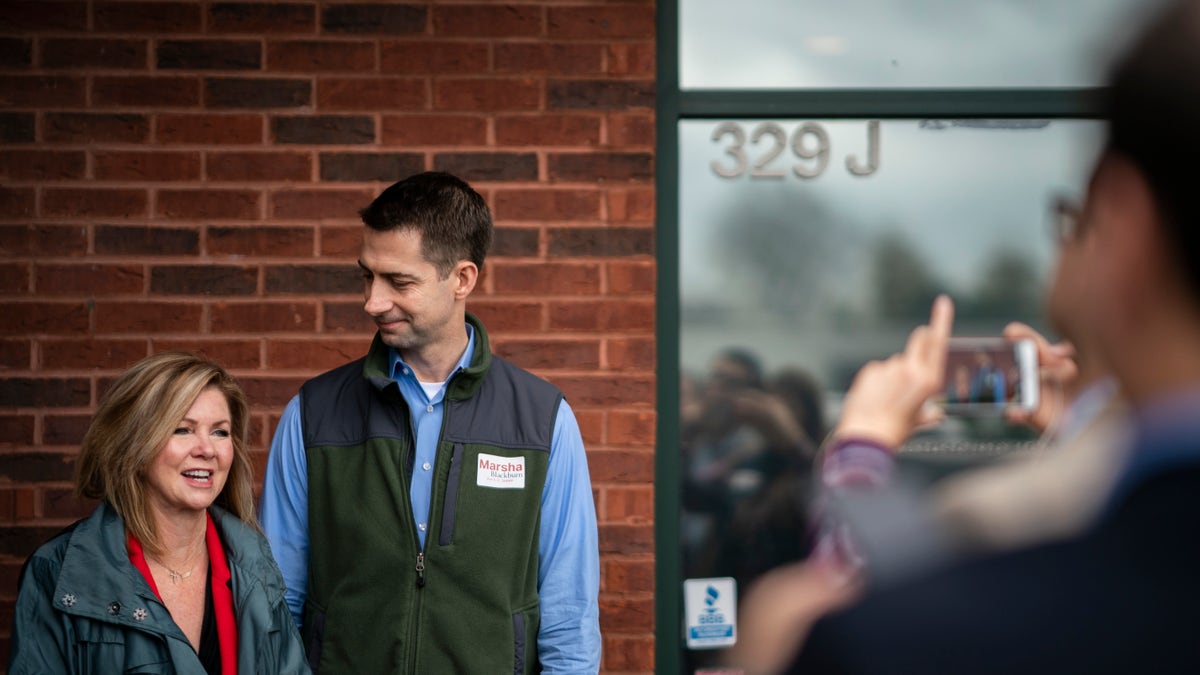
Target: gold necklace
175,575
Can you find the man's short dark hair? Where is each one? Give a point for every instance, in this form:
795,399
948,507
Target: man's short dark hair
453,219
1153,110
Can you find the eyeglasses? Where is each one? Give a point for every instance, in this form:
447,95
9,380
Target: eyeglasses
1066,219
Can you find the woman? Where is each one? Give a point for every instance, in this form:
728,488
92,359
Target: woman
170,573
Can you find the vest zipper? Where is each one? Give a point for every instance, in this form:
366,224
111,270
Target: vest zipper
420,569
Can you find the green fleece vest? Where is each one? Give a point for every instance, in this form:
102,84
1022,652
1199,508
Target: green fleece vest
468,603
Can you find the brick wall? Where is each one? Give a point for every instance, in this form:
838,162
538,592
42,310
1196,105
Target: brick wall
186,174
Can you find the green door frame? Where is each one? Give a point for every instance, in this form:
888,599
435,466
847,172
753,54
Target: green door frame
674,105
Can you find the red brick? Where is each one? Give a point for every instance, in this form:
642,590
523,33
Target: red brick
147,317
17,202
603,315
43,317
626,539
488,166
263,317
18,504
16,52
322,279
433,57
312,56
320,203
600,94
601,166
631,428
260,241
43,240
633,504
507,316
372,94
602,22
360,167
553,58
630,354
550,354
91,279
37,15
313,354
487,94
631,205
547,204
323,129
410,130
591,426
630,58
261,17
258,166
69,430
609,389
18,127
156,240
93,53
347,317
340,242
630,131
625,614
40,165
14,277
95,128
627,576
15,354
16,429
62,504
271,391
558,278
92,202
40,91
624,653
154,17
257,92
495,20
228,353
516,242
631,278
206,129
149,92
374,19
548,129
209,204
89,353
146,166
204,279
600,241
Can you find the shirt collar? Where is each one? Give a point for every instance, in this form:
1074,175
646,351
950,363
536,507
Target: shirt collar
396,365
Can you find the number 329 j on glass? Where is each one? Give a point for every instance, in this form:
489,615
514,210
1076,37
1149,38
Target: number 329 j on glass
768,140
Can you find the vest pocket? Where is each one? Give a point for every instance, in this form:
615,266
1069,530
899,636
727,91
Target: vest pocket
450,502
525,627
314,634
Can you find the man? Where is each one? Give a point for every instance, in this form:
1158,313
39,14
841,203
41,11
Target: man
429,504
1124,596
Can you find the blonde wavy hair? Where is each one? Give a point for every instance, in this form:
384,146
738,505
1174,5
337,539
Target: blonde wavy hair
136,418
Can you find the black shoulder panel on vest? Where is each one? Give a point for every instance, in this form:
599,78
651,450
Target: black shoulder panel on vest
326,399
513,408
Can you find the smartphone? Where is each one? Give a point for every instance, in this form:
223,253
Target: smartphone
987,375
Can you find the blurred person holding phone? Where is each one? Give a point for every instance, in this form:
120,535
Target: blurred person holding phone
1120,596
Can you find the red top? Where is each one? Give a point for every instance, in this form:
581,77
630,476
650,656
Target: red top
222,594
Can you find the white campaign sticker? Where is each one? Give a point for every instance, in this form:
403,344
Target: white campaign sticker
501,472
710,606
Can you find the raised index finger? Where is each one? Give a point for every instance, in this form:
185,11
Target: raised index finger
941,321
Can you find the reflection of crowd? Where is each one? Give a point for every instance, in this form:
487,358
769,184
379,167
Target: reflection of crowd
748,442
983,381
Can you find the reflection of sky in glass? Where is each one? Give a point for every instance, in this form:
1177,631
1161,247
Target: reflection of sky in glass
791,267
901,43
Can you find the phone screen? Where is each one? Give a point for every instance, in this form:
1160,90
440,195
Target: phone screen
984,376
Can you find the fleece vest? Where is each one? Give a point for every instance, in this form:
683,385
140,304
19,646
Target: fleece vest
468,602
